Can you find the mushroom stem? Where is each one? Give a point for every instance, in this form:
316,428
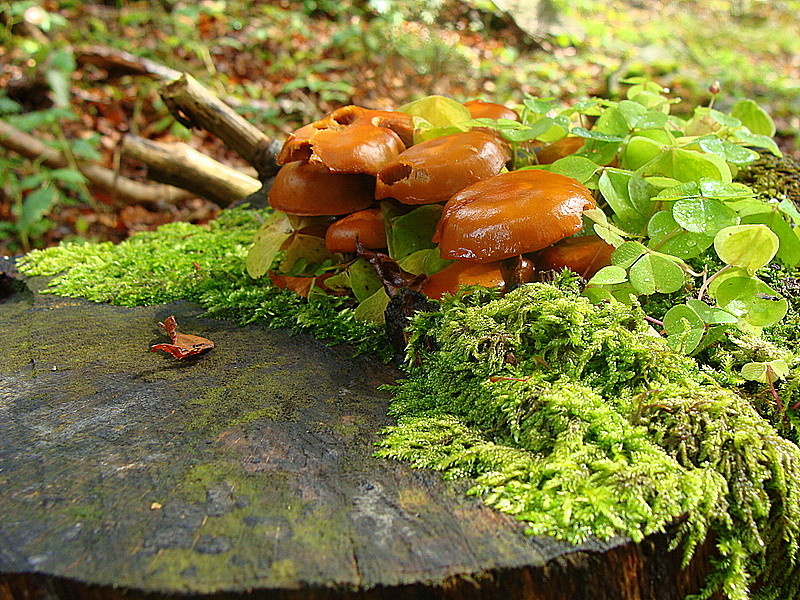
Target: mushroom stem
516,270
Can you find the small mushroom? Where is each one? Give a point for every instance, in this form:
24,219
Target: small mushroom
306,189
365,226
559,149
511,214
479,109
434,170
351,139
584,255
462,272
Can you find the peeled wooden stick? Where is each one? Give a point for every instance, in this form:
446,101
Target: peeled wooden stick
195,106
181,165
126,190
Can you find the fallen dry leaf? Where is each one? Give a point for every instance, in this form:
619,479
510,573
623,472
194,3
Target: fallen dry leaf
183,344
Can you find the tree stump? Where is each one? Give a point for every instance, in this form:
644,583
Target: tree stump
248,472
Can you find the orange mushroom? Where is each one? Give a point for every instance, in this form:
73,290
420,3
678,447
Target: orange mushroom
559,149
462,272
365,226
351,139
510,214
584,255
479,109
305,189
434,170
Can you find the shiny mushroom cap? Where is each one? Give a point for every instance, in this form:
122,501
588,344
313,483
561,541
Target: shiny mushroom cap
461,273
584,255
351,139
306,189
479,109
510,214
434,170
365,226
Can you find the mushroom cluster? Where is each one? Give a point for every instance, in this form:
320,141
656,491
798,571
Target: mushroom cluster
355,166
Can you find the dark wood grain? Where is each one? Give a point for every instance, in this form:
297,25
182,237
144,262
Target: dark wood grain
247,472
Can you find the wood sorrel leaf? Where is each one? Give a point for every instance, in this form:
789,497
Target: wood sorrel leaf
765,372
653,273
609,275
747,246
627,254
702,215
752,300
754,117
712,315
789,248
684,328
666,235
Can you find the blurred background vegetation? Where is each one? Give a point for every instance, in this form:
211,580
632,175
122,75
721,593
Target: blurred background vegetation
286,62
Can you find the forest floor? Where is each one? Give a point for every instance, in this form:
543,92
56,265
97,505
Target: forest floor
285,63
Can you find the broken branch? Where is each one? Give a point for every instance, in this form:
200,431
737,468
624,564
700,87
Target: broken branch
193,105
126,190
181,165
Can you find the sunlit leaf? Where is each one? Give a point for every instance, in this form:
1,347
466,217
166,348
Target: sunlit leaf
304,253
405,234
425,261
609,275
759,141
627,254
666,235
684,328
595,135
702,215
752,300
608,232
765,372
578,167
789,244
748,246
711,315
439,111
754,117
639,151
363,280
733,153
373,308
688,165
653,273
267,244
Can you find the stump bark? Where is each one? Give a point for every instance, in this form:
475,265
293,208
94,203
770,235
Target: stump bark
248,472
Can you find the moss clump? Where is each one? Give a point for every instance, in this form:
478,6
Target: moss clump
573,418
203,264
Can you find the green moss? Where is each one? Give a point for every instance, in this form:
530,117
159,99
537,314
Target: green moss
249,396
571,416
203,264
576,420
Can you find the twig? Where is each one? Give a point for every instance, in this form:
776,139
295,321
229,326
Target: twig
195,106
181,165
127,190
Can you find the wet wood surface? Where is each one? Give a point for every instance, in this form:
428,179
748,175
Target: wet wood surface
247,472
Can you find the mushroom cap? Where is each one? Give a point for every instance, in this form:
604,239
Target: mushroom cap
462,272
559,149
365,225
306,189
351,139
510,214
584,255
479,109
434,170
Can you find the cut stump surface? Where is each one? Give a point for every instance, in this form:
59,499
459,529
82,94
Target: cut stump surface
247,471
